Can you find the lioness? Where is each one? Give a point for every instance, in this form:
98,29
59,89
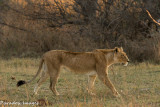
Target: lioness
90,63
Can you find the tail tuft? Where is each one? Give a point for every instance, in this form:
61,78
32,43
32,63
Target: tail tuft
21,82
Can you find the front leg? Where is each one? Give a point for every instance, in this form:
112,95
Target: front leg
102,73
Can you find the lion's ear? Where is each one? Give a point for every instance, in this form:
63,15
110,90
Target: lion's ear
121,49
116,50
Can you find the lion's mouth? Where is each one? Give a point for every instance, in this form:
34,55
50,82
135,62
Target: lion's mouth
125,64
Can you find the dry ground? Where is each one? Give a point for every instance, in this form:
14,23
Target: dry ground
138,84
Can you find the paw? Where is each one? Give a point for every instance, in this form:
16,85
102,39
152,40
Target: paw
34,94
57,94
92,94
116,94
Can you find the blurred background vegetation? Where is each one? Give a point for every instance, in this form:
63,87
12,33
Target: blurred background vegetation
28,28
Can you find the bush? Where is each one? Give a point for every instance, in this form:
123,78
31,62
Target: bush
30,28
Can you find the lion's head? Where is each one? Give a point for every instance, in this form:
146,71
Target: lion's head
120,56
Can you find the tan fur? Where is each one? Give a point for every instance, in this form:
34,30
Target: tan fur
93,64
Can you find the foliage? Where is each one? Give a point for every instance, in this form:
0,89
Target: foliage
34,27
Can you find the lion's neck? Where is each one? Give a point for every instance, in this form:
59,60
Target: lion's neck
110,59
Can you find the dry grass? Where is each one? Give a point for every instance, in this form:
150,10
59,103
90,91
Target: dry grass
138,85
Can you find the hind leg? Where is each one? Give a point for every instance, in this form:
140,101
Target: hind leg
91,80
53,81
42,79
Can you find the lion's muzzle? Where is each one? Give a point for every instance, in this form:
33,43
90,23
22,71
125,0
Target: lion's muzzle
125,64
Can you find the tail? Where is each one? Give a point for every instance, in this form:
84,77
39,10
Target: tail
22,82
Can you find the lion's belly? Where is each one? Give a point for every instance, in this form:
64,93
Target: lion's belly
91,73
82,70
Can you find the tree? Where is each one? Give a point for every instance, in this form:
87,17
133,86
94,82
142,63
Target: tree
87,8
